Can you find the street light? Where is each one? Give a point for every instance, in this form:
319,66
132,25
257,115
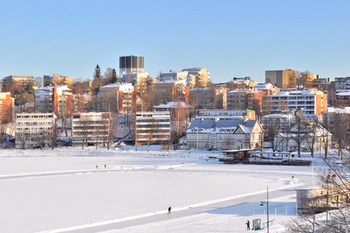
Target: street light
267,209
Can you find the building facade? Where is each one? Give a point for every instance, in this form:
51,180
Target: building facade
313,103
57,99
342,99
131,64
117,97
91,128
17,83
224,134
179,115
281,78
35,130
152,128
7,104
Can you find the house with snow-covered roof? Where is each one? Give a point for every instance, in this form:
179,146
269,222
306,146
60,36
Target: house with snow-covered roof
224,134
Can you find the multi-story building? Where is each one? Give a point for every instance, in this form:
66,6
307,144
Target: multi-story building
171,91
282,121
342,99
152,128
281,78
313,103
17,83
224,134
236,99
117,97
197,77
173,76
57,79
342,83
91,128
35,130
57,99
201,97
268,88
7,104
241,83
225,114
131,64
179,115
254,101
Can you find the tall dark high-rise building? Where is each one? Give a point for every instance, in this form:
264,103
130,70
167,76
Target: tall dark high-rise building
131,64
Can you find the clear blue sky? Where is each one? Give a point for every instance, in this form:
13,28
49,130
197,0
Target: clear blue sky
232,38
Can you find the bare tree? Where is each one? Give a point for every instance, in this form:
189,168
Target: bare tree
341,132
311,137
22,137
299,131
334,196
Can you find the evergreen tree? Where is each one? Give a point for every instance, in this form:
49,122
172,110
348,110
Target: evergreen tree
114,76
96,83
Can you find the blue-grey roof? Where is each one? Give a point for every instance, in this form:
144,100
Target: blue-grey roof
203,124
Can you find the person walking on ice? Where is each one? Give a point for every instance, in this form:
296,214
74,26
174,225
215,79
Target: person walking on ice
169,210
248,225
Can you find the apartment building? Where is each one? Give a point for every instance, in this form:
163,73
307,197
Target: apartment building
197,77
225,114
57,99
152,128
7,104
342,83
117,97
236,99
57,79
281,78
179,115
342,99
17,83
171,91
91,128
313,103
35,130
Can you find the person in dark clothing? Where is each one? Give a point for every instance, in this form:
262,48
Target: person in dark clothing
248,225
169,210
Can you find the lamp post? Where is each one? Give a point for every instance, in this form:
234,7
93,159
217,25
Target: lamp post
267,209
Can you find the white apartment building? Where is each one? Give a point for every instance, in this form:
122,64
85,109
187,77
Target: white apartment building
313,103
35,130
152,128
91,128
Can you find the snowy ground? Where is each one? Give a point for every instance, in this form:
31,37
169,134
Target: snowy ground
61,190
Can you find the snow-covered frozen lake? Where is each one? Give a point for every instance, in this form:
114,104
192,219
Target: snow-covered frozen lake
73,190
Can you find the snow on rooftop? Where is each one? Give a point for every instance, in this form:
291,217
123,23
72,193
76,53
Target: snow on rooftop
344,93
338,110
173,105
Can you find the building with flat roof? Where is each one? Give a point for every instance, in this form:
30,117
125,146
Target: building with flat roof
342,99
7,104
131,64
313,103
281,78
91,128
17,83
117,97
57,99
35,130
152,128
